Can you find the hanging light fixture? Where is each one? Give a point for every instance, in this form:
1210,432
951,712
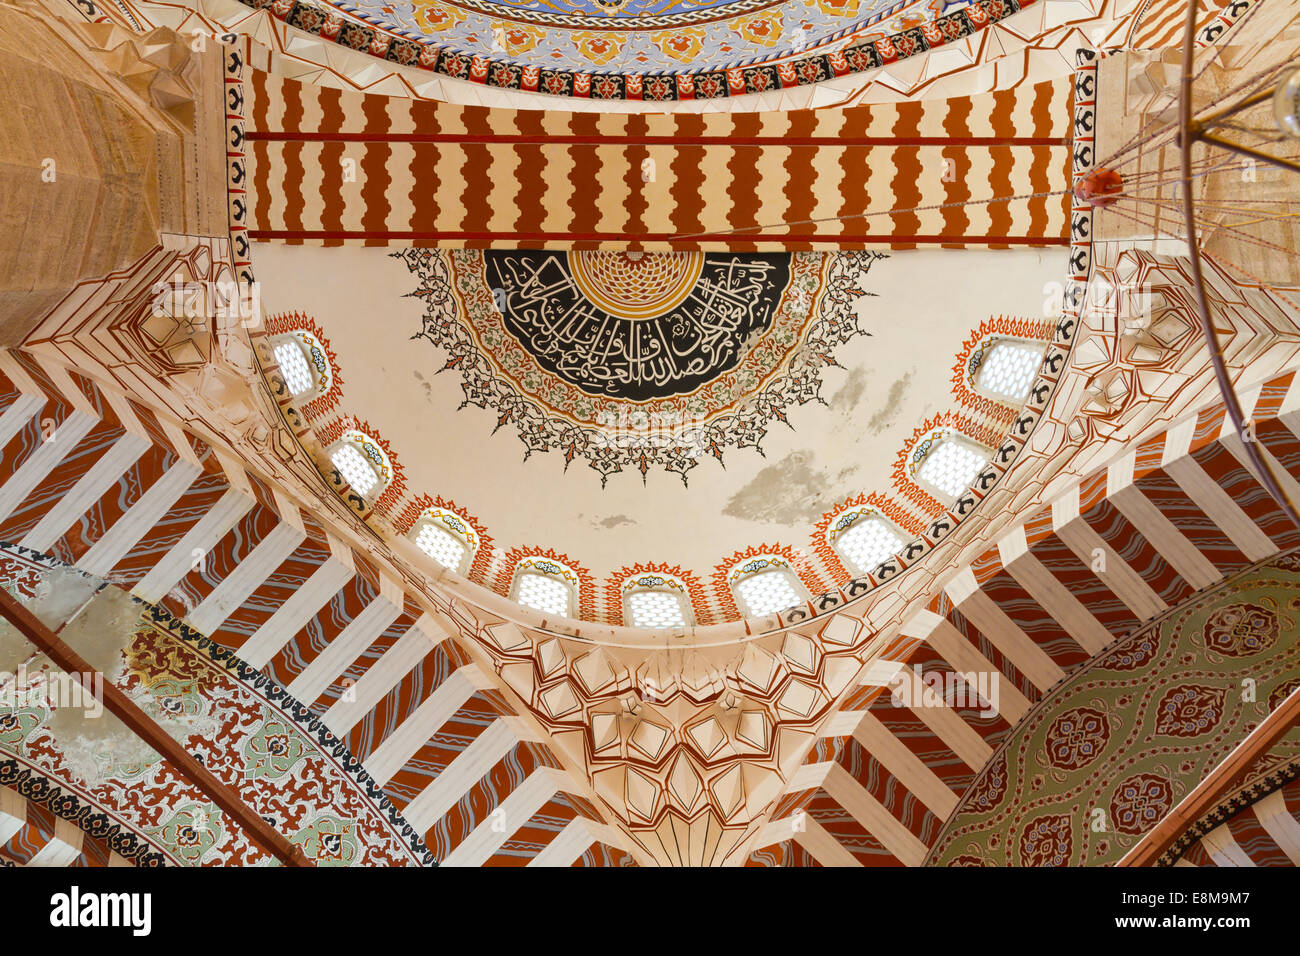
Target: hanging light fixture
1286,104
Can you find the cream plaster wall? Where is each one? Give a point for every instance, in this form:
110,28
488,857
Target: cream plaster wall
888,384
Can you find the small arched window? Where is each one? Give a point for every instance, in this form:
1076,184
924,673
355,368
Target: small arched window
362,462
946,463
765,584
446,537
546,585
1004,368
655,600
864,538
303,364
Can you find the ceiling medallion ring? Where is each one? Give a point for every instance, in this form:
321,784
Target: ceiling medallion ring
609,14
609,340
372,33
635,285
748,342
481,300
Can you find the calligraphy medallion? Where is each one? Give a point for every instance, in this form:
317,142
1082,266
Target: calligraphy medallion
650,360
637,326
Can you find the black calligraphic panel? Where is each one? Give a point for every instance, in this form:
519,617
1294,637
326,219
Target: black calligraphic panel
733,302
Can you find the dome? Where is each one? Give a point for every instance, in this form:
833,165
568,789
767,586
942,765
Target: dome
491,433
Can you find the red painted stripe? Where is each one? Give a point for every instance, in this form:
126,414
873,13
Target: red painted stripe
635,155
956,178
905,184
747,239
574,139
375,176
688,201
331,159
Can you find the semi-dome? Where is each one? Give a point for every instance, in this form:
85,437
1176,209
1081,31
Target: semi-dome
657,433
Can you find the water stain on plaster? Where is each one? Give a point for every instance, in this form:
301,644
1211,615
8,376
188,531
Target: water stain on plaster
426,385
882,419
850,393
104,629
789,492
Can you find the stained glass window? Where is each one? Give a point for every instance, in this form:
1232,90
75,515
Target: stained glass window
441,545
868,542
293,366
543,593
768,592
1008,369
951,466
354,468
656,609
303,363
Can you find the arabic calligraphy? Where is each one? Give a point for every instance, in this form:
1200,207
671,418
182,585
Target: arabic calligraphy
637,327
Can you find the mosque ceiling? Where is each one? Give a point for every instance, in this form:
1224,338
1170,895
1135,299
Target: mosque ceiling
330,167
762,739
280,758
735,367
907,49
1254,824
645,49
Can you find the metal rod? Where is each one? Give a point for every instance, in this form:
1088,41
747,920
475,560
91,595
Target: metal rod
1233,406
1215,119
1247,151
126,710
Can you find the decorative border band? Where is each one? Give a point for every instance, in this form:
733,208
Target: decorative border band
762,77
302,716
707,15
35,787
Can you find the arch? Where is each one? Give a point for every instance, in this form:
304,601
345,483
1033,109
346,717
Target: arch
862,537
945,463
363,463
456,520
447,538
764,584
1004,368
655,598
546,584
296,340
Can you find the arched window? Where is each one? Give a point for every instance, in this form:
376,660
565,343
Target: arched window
446,537
546,585
1004,368
655,600
864,538
303,363
946,463
765,584
362,463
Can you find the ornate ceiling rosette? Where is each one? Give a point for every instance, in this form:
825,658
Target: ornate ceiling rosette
740,48
639,360
639,36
